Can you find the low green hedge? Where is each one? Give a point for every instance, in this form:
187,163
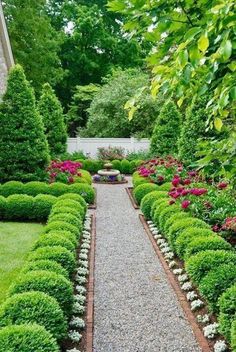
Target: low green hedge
159,206
34,308
204,243
183,240
199,265
216,282
42,206
139,180
233,336
148,200
66,234
85,175
54,240
141,190
59,254
48,282
62,226
56,189
165,214
75,197
67,217
227,309
180,225
19,207
156,203
69,203
179,215
47,265
27,338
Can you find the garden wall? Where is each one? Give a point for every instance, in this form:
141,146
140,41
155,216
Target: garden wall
90,145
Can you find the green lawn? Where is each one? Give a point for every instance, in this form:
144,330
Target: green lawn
16,240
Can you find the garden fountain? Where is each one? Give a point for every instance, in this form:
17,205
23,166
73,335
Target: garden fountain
109,175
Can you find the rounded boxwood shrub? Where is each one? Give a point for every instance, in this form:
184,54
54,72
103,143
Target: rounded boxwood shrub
165,186
133,166
204,243
62,226
3,204
175,217
166,213
141,190
148,200
125,167
48,282
19,207
47,265
159,208
92,165
57,253
139,180
201,263
66,234
71,219
227,309
34,188
216,282
70,204
12,187
187,236
86,191
233,336
116,164
34,308
86,175
180,225
156,203
57,189
54,240
75,197
65,210
27,338
42,206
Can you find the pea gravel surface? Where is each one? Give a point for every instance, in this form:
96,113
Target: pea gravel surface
135,309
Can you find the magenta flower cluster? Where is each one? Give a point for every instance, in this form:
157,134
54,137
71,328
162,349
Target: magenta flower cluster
59,170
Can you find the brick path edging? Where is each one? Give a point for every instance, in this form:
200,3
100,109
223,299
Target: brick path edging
133,202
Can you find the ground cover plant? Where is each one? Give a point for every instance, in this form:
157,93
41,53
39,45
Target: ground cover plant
17,238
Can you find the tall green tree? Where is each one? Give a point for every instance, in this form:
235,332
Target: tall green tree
34,41
23,145
51,111
167,129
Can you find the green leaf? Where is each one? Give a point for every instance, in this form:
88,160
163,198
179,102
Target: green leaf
232,66
183,58
226,50
218,124
203,43
192,32
116,6
232,93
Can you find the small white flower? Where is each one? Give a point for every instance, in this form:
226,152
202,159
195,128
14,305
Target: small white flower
73,350
220,346
160,241
183,278
85,245
80,289
80,298
149,222
83,263
196,304
164,245
169,255
74,335
210,330
84,250
172,264
83,256
80,279
178,271
82,271
77,323
187,286
191,295
203,319
165,250
78,308
155,232
158,237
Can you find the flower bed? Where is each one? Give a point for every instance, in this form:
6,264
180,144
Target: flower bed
109,179
42,302
208,259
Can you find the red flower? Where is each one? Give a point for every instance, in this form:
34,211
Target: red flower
198,191
185,204
222,185
216,228
187,181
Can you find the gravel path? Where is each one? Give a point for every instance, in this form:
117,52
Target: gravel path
136,309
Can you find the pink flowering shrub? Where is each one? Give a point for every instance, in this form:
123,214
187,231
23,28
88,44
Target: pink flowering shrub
63,171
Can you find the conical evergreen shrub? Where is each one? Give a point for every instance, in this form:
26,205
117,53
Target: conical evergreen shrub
193,128
167,130
52,113
23,145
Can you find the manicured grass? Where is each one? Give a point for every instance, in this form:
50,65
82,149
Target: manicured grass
16,240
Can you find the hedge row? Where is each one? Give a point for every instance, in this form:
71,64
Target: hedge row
35,316
56,189
209,260
124,166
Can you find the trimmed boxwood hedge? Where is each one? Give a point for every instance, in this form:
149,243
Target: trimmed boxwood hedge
54,240
27,338
148,200
159,207
47,265
48,282
86,191
34,188
42,206
71,219
233,336
179,215
62,226
199,265
3,204
216,282
19,207
141,190
187,236
204,243
166,213
34,308
139,180
66,234
227,308
57,253
75,197
70,203
11,187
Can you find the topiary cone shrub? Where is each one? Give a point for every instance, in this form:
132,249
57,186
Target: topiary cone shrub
167,130
23,145
51,111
